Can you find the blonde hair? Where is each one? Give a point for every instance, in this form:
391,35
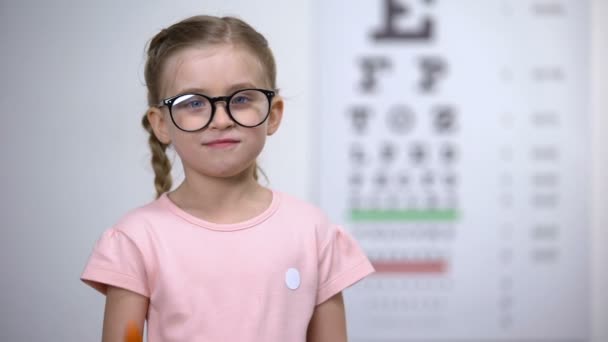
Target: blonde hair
195,31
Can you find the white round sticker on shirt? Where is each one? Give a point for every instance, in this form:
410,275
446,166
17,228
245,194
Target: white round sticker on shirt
292,278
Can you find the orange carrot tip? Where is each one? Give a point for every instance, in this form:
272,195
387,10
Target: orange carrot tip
132,334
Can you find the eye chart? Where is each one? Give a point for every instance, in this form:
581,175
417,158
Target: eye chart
454,146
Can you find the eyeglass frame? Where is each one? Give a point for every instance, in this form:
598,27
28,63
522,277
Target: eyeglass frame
270,94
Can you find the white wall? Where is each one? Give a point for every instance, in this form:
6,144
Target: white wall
600,170
74,157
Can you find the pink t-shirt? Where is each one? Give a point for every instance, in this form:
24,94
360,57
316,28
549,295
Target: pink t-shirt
257,280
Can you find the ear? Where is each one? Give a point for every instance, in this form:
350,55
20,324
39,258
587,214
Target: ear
160,125
275,116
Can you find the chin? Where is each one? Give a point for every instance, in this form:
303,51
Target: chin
228,172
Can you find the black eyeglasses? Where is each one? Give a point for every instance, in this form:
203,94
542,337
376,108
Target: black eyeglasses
192,112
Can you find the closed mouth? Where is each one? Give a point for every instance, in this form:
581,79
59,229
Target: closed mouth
221,142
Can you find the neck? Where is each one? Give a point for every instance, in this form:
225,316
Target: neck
217,197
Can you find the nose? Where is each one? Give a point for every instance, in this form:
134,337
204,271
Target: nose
221,119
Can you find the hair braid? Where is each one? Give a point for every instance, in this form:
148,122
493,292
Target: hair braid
160,162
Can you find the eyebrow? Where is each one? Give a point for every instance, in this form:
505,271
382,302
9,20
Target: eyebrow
230,90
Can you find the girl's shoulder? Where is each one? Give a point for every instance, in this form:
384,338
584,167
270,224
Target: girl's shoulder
138,219
298,207
307,215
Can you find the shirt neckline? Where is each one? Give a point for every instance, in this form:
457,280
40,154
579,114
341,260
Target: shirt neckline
166,202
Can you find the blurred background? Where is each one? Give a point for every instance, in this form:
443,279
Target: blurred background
464,144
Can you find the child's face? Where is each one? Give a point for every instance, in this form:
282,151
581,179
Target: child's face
214,71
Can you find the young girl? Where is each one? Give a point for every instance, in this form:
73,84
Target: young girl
220,258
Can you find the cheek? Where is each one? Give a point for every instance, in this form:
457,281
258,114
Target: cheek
253,143
184,143
259,137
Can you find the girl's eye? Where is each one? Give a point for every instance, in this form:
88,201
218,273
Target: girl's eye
240,99
195,104
190,102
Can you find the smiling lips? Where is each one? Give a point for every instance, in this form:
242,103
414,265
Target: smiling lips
221,143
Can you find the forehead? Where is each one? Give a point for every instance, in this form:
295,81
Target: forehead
213,70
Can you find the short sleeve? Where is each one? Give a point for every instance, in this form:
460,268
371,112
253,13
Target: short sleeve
342,263
116,261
